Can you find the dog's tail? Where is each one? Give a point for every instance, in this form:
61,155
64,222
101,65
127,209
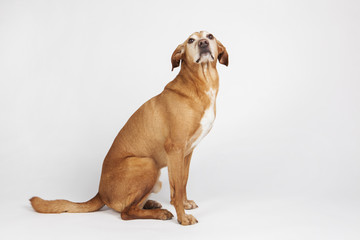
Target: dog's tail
60,206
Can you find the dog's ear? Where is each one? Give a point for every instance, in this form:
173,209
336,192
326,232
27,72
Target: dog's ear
177,56
223,55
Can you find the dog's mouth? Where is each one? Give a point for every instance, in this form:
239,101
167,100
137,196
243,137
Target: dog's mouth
205,52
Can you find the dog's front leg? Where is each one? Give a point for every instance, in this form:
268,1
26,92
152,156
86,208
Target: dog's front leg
177,178
188,204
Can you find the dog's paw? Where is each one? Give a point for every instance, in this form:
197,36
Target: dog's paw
151,204
190,204
187,219
165,215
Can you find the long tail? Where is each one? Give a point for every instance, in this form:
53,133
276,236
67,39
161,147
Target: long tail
60,206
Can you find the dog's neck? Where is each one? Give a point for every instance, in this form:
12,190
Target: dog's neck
196,81
203,75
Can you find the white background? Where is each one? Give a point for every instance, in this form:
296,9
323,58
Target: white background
282,161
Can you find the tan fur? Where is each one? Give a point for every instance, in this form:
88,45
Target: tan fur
160,133
60,206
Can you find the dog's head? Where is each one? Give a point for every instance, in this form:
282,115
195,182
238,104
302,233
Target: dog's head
200,47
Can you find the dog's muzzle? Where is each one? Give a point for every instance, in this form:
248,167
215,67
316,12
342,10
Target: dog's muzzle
204,49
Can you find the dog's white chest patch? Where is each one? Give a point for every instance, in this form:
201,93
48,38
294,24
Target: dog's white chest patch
207,119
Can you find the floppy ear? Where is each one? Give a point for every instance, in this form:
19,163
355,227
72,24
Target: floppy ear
177,56
223,55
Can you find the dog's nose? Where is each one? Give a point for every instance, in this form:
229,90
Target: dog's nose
203,43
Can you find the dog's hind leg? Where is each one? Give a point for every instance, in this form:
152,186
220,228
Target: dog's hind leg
126,186
151,204
144,208
137,212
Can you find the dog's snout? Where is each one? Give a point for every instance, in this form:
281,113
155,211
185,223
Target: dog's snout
203,43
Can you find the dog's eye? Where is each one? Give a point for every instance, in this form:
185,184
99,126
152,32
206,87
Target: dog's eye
191,40
210,36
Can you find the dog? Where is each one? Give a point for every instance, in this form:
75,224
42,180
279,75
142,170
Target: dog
164,131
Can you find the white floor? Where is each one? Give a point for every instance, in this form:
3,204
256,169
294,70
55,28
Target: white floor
223,217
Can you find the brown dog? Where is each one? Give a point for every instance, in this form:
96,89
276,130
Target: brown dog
162,132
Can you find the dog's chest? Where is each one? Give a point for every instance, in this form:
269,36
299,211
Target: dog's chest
206,121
